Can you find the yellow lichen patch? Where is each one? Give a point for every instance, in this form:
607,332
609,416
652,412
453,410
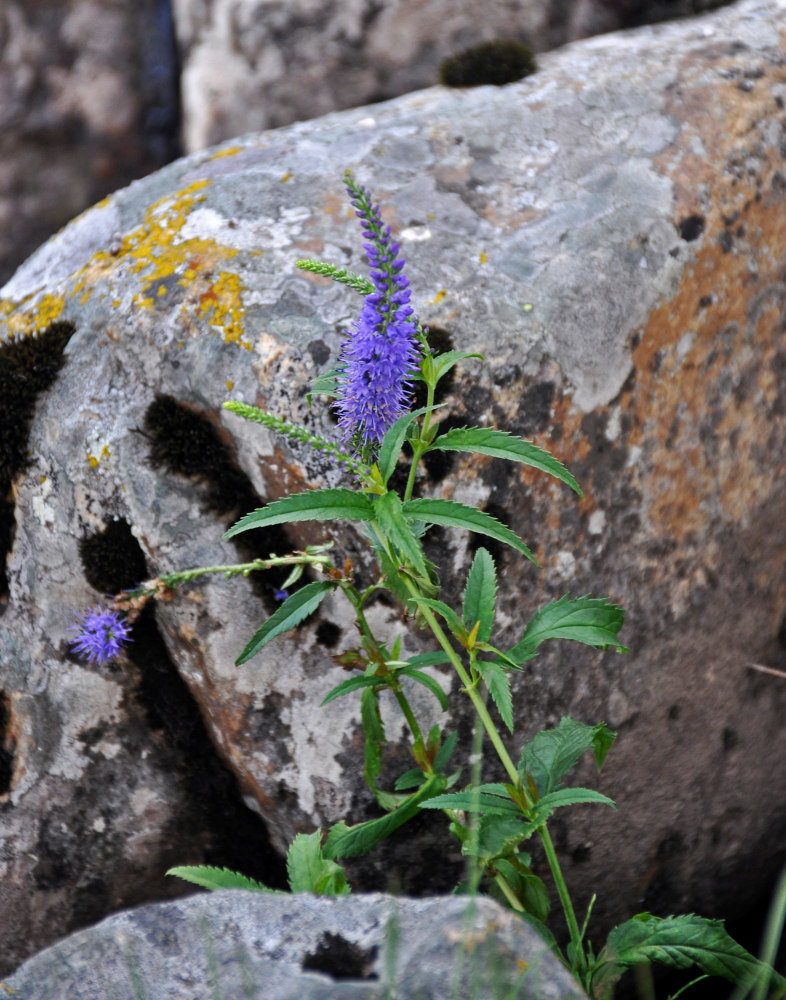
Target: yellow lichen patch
229,151
95,460
221,306
438,297
21,321
483,257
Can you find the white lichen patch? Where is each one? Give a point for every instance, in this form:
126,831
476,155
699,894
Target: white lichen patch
85,700
43,511
597,522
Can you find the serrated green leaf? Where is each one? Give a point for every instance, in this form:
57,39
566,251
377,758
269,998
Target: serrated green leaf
480,594
679,942
589,620
431,659
545,806
325,384
501,444
353,684
315,505
395,528
444,362
602,741
427,682
498,836
454,623
295,609
393,441
551,753
458,515
498,682
475,801
346,841
218,878
309,871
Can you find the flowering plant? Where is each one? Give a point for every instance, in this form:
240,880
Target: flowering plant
382,358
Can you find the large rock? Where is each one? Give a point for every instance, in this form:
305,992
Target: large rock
88,102
250,65
239,944
609,232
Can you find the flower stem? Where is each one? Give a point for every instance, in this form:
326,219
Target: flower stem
507,763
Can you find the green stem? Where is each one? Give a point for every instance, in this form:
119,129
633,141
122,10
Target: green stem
508,893
564,897
471,689
419,447
507,763
356,600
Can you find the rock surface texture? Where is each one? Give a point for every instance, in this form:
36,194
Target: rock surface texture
88,102
239,944
611,234
249,65
90,91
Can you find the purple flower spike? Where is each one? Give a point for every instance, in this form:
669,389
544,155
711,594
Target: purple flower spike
102,634
379,357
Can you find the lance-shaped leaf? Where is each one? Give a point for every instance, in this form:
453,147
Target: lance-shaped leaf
551,753
292,612
457,515
480,594
316,505
427,682
374,732
454,623
444,362
219,878
501,444
346,841
353,684
498,683
679,942
325,384
544,807
492,800
590,620
395,528
393,441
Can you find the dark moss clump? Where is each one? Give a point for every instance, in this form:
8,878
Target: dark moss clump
112,559
499,62
185,442
28,366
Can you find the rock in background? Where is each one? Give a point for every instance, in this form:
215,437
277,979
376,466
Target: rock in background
610,233
88,102
90,91
251,65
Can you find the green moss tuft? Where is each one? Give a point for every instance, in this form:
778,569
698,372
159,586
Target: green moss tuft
497,63
28,366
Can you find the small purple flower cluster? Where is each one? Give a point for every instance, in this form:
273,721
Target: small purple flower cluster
102,634
379,357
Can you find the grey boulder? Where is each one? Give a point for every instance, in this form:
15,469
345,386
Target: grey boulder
243,946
